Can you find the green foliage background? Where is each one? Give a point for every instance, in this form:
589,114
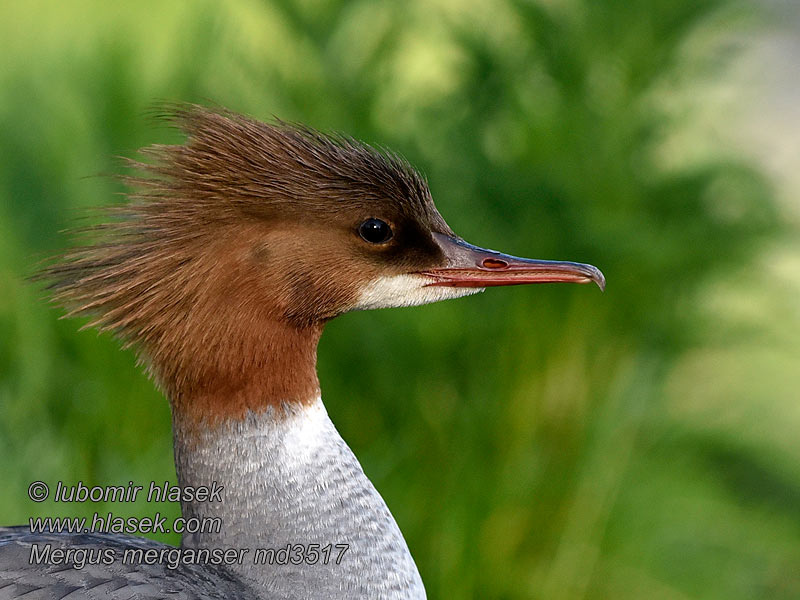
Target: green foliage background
545,442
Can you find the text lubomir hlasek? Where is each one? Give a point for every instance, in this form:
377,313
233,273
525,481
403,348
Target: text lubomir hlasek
165,492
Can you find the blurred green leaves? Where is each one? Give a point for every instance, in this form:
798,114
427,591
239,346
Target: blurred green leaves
527,439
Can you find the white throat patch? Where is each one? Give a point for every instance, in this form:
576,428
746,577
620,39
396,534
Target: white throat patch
406,290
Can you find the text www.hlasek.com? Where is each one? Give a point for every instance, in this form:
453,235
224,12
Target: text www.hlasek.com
133,525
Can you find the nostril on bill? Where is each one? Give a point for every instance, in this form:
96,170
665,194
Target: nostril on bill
494,263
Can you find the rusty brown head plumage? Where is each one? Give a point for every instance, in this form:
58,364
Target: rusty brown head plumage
244,224
235,248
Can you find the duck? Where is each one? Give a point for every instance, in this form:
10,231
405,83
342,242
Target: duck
231,253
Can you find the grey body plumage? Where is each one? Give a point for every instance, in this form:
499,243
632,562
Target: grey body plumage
287,479
290,479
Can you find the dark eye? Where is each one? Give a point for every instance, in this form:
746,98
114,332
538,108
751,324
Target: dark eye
375,231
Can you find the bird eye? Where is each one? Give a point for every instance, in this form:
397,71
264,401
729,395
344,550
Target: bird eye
375,231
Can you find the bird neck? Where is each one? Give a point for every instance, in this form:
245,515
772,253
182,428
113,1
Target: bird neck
293,495
267,364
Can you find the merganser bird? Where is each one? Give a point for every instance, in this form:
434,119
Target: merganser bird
221,271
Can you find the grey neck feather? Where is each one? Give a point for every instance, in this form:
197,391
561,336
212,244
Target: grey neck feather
291,481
